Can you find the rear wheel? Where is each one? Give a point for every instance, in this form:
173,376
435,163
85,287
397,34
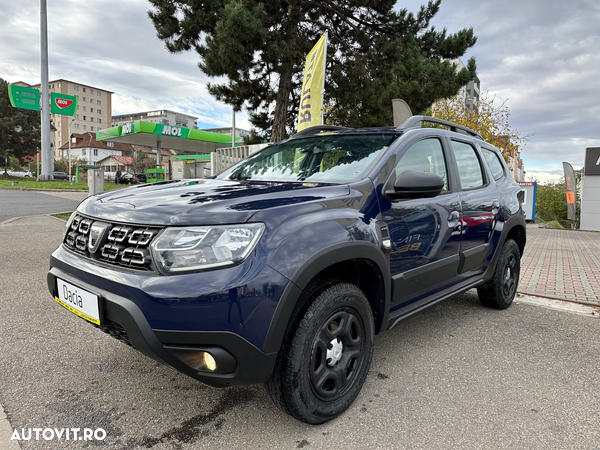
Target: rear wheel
325,358
503,285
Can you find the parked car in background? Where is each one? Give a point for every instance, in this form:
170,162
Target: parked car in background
60,176
141,177
19,173
128,178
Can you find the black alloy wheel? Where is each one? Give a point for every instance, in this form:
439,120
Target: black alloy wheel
502,288
336,354
326,353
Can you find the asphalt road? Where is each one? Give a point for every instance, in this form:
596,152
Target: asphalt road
17,203
458,376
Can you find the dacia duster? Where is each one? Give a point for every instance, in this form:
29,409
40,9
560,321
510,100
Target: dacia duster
281,269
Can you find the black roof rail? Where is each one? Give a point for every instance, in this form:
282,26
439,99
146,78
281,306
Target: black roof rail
416,121
317,129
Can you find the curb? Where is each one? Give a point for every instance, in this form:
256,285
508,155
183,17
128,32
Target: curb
40,189
51,215
580,302
6,432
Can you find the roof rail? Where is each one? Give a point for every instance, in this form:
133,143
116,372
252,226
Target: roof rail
416,121
317,129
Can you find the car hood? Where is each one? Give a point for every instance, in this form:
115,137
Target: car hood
202,201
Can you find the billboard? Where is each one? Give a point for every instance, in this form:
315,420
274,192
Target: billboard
63,104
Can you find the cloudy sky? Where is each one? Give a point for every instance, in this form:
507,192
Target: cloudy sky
540,56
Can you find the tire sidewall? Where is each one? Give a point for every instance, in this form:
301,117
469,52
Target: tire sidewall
510,247
306,403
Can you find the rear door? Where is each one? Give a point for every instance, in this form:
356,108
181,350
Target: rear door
425,233
479,203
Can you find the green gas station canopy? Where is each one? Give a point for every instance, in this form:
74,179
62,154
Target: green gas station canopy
175,138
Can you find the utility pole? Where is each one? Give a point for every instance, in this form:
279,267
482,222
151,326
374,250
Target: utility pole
46,174
233,129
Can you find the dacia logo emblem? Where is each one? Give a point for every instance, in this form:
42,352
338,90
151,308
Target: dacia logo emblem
98,234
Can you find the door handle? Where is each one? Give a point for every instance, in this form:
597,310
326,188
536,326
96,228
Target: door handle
453,219
495,207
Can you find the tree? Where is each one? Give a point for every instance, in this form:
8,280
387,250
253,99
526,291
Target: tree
374,55
19,129
140,162
491,120
254,138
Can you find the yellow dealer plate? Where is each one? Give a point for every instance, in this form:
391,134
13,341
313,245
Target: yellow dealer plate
78,301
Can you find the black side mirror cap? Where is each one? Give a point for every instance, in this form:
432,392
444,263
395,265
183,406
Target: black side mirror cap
412,184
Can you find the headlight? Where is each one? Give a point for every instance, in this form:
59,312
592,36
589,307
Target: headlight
194,248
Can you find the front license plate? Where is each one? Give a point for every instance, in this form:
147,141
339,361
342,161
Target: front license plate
78,301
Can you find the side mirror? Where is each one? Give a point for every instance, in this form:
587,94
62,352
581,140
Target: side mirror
411,184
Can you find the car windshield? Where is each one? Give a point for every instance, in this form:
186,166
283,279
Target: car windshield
327,159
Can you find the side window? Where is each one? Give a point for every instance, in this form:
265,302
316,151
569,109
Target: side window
425,156
494,163
469,166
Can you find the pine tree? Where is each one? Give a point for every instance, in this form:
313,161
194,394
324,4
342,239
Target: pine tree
19,130
374,55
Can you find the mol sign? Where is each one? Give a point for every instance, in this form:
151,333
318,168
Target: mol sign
63,104
171,131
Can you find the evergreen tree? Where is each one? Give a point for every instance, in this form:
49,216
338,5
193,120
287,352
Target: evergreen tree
374,54
19,130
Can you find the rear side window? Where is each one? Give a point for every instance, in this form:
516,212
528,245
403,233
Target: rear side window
469,166
495,165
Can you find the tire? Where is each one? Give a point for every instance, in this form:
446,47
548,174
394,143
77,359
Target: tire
503,286
326,355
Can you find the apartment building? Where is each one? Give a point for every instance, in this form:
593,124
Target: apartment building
163,116
468,94
94,111
227,130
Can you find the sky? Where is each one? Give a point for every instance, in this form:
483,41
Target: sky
541,57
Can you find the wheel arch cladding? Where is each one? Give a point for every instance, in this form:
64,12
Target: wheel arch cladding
359,263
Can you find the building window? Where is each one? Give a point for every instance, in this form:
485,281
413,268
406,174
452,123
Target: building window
59,123
83,151
99,120
59,143
95,152
77,116
99,102
91,91
99,93
85,127
59,85
83,89
75,88
91,100
110,144
91,109
99,111
84,99
92,128
84,109
60,133
83,117
77,126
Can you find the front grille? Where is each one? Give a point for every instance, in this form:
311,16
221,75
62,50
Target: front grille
116,331
117,244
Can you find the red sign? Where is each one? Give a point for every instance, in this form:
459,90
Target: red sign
63,102
526,183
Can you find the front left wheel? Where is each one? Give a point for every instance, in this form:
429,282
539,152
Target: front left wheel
325,359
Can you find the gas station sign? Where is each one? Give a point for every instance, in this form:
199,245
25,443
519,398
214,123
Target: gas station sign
63,104
24,97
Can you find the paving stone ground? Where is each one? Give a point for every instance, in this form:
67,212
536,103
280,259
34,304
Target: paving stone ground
563,264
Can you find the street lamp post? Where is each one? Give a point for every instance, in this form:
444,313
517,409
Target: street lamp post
69,132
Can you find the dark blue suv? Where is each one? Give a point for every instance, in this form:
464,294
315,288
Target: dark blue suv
282,269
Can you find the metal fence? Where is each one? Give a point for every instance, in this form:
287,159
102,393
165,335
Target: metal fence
224,158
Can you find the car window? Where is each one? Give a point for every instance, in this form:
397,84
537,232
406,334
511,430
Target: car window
329,159
494,162
470,171
425,156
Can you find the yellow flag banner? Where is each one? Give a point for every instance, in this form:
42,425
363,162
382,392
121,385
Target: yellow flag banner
311,101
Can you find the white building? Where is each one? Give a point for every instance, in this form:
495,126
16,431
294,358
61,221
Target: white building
227,130
468,94
85,147
163,116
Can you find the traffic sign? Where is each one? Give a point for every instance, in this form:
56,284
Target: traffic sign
63,104
24,97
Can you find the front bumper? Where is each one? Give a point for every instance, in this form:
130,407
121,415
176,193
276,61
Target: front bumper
239,361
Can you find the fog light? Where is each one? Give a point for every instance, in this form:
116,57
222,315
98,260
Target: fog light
209,362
